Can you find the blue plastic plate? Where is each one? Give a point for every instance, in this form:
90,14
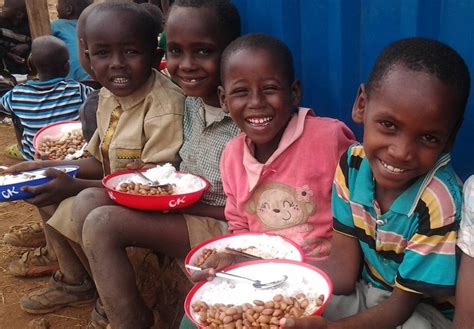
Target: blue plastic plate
12,192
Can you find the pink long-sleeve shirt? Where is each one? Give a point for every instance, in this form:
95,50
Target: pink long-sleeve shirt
290,194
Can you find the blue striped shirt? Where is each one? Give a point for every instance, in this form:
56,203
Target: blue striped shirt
36,104
412,245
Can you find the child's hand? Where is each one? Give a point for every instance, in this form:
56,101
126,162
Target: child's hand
310,322
54,191
213,264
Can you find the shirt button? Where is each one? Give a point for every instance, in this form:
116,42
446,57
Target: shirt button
380,221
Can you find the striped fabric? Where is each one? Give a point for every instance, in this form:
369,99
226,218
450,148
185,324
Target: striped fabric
412,245
36,104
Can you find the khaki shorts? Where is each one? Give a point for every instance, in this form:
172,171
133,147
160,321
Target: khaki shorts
365,296
63,221
203,228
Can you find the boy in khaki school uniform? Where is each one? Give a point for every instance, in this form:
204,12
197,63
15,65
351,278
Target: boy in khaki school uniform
139,118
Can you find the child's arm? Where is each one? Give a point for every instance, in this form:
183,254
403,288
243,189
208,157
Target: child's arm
345,254
464,311
392,312
205,210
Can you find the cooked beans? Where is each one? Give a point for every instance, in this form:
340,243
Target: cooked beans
261,314
57,148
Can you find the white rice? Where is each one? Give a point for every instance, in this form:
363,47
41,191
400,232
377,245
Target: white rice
265,246
13,179
234,292
166,174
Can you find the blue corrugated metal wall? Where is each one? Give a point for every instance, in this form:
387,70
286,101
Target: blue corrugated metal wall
335,42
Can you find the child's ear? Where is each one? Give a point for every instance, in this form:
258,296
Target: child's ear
358,109
222,99
296,93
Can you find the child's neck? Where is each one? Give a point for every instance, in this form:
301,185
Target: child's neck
212,101
385,198
263,152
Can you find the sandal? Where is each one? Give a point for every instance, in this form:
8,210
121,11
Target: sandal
98,317
28,235
13,151
57,295
34,263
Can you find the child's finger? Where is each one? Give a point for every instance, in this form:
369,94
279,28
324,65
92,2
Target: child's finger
207,274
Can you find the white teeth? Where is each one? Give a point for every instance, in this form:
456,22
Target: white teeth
120,80
259,120
392,168
193,80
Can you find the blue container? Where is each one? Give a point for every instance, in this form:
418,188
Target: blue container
12,192
335,43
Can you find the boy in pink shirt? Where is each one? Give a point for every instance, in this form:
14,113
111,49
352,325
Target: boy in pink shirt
278,174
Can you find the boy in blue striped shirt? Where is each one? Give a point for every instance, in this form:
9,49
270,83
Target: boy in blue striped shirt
36,104
396,200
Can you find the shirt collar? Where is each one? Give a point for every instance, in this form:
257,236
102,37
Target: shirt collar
364,188
293,131
134,99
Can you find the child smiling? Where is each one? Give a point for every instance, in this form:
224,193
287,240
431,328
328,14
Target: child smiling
278,174
396,199
139,117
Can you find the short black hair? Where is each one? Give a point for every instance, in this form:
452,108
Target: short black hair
156,13
80,5
45,47
254,41
136,14
227,15
428,56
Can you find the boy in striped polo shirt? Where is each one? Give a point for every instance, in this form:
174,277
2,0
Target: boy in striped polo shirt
396,199
36,104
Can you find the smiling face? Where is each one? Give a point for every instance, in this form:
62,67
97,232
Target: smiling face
194,47
258,97
120,59
409,121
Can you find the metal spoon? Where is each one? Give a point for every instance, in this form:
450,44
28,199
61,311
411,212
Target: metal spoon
256,283
152,183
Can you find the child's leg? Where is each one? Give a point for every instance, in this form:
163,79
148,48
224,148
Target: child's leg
107,232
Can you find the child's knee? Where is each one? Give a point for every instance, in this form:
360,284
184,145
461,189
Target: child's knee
100,225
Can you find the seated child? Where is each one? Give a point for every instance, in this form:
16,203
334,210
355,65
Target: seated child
14,38
278,174
396,199
194,57
65,29
464,312
207,130
139,118
36,104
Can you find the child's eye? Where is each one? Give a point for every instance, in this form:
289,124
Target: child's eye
101,52
239,92
174,51
387,125
204,52
131,51
430,139
270,89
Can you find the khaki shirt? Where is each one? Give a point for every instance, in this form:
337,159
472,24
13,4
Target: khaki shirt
146,125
